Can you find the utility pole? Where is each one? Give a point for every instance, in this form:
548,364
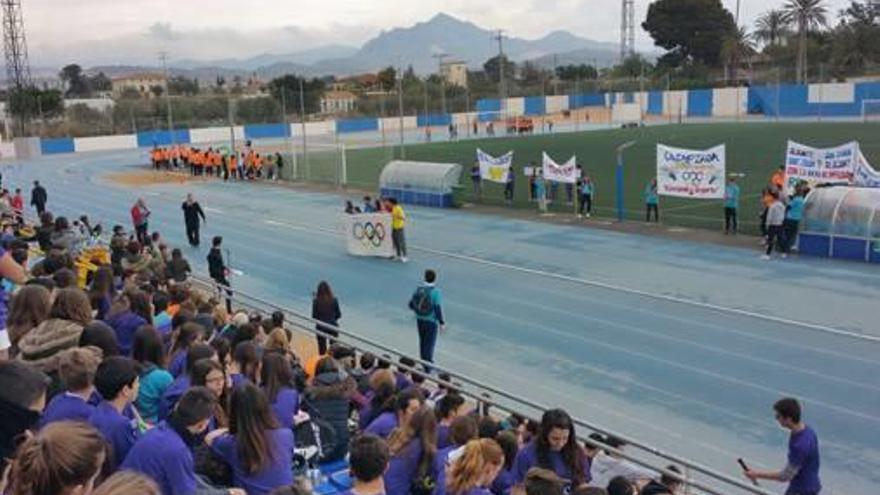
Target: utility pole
163,56
18,69
627,29
302,116
400,112
440,57
502,87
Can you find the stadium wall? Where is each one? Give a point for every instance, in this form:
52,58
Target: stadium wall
655,103
346,126
488,109
675,102
587,100
148,139
393,123
699,103
433,120
104,143
463,119
515,107
535,105
7,150
215,134
266,131
729,102
56,145
556,104
320,128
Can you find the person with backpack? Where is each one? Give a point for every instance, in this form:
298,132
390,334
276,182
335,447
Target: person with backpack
426,303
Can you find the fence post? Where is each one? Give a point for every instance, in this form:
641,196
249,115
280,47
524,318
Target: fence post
344,177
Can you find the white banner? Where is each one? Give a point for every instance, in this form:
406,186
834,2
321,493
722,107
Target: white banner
865,175
566,172
819,165
492,168
691,173
368,234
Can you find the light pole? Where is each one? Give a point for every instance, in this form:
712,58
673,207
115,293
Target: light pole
163,56
621,213
440,57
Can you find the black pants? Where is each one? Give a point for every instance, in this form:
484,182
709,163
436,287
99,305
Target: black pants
224,285
775,237
141,232
399,241
730,220
648,209
192,233
789,233
586,204
427,341
763,218
323,341
41,208
508,192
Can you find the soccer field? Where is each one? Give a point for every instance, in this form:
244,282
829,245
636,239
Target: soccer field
753,149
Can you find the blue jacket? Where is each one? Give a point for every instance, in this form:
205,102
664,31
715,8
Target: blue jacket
437,315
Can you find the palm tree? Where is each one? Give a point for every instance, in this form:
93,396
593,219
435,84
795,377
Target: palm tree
739,45
806,15
771,27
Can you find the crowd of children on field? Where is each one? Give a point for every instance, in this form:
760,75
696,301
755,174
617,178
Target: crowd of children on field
246,165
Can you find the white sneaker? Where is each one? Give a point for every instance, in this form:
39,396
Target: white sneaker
784,255
589,215
580,216
765,256
403,259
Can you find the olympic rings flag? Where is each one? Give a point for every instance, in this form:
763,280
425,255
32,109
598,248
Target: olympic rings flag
686,173
368,234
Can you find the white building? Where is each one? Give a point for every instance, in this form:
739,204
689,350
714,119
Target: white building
338,102
454,73
142,83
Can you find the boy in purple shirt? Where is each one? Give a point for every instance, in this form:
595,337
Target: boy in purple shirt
117,380
449,407
368,460
163,455
802,469
76,369
405,405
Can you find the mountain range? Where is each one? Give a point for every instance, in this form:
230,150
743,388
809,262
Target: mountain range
415,46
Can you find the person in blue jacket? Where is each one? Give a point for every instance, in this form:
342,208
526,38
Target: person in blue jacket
652,201
149,352
793,216
731,205
426,302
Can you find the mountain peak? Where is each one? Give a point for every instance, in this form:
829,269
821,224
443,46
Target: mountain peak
444,18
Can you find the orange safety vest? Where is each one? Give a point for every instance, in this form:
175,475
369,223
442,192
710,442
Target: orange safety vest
231,162
258,161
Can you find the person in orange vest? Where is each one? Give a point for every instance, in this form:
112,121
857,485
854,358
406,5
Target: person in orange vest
258,165
249,164
229,166
778,179
154,158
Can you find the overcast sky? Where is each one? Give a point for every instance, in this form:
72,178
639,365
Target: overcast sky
124,31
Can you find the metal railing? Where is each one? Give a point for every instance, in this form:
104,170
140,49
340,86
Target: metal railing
696,476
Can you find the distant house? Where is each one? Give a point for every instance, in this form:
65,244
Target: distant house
454,73
336,101
142,83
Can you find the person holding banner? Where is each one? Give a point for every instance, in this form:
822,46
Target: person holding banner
731,205
586,193
652,201
509,186
793,216
475,179
398,221
540,191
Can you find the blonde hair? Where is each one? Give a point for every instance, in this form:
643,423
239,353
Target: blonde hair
465,472
128,483
60,456
277,341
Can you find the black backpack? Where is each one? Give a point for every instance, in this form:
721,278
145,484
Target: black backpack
316,432
421,302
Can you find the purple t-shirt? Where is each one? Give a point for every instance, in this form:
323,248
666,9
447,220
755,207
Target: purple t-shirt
279,473
443,436
119,431
177,366
285,406
803,453
402,469
503,482
527,458
441,462
66,407
125,325
238,379
383,425
477,490
172,394
163,456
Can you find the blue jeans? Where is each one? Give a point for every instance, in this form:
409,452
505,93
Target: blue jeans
427,341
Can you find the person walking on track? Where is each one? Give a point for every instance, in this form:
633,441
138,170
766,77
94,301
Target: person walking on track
39,197
191,213
426,304
218,270
140,216
398,221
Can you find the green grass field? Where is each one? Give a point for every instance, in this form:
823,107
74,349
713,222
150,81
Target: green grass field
753,149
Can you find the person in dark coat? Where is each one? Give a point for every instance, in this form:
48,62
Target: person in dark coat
39,197
325,309
218,271
192,210
329,398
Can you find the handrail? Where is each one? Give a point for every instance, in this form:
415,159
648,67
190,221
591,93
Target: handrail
310,326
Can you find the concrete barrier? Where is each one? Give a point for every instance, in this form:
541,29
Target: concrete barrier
104,143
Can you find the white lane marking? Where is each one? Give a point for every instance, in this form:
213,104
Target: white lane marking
213,210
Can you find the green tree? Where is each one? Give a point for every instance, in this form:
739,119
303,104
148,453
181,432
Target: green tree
77,85
32,102
387,78
771,27
806,16
737,47
632,67
287,89
493,66
100,82
179,85
157,90
576,72
690,30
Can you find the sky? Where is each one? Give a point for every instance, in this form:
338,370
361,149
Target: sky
93,32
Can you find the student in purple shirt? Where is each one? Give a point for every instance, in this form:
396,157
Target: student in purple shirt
117,381
77,368
503,483
413,447
368,460
211,375
256,446
163,455
802,469
462,431
278,382
475,468
380,397
449,407
183,382
188,335
130,311
554,447
245,364
405,405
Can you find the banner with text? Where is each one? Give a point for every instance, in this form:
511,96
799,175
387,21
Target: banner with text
566,172
819,165
691,173
865,175
368,234
492,168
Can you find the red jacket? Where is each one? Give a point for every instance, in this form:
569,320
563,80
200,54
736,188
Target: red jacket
138,215
17,203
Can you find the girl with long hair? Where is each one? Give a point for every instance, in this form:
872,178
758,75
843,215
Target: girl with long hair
555,448
381,397
257,447
413,446
102,292
185,337
63,458
325,309
28,308
476,468
210,374
131,310
245,364
147,350
69,314
280,387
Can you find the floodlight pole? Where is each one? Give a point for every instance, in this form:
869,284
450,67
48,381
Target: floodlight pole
621,213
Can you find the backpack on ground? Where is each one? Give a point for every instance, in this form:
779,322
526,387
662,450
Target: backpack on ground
421,302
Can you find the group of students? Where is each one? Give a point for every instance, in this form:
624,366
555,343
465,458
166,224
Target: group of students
781,215
247,165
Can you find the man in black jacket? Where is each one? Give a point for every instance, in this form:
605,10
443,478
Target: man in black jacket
191,213
218,270
39,197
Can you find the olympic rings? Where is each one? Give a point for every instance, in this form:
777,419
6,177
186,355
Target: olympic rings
368,233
